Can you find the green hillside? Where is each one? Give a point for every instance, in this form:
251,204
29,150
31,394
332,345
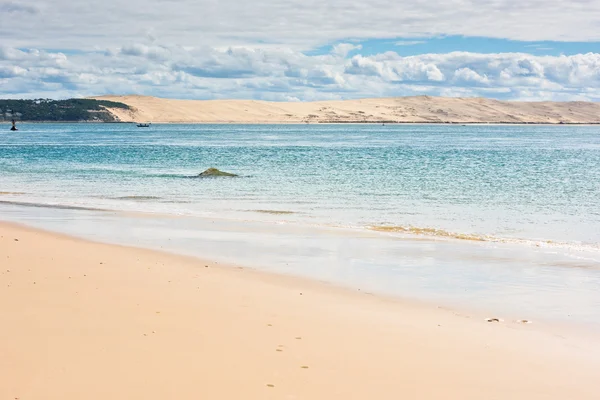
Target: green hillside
71,110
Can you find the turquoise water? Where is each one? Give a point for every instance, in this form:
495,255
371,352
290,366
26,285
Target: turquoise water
487,198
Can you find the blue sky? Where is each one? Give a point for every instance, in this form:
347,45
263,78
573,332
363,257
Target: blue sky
415,46
301,50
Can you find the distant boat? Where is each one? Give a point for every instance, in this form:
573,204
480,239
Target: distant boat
143,125
14,126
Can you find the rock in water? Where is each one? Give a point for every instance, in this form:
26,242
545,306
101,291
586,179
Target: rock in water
214,172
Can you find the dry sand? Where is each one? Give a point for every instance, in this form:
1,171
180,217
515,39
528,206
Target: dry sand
81,320
420,109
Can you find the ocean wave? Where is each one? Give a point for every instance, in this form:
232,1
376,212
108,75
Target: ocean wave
129,172
185,176
49,205
274,212
406,231
444,234
137,198
175,201
176,176
156,199
426,232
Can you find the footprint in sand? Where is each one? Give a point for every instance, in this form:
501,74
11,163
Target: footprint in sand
494,320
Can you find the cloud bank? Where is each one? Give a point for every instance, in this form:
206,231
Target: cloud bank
284,74
241,49
302,24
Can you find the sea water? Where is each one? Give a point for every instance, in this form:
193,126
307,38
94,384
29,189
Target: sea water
505,218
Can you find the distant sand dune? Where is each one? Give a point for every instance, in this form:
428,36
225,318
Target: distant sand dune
420,109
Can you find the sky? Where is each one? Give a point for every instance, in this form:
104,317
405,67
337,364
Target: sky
301,50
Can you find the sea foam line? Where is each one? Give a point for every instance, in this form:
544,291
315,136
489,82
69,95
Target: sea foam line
444,234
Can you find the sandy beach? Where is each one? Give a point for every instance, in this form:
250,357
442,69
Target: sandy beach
83,320
417,109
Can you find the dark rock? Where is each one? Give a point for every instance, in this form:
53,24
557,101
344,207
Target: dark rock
213,172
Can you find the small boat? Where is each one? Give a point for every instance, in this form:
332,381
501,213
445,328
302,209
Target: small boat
143,125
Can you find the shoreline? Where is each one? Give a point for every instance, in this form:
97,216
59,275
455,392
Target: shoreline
402,231
320,123
406,232
81,314
434,269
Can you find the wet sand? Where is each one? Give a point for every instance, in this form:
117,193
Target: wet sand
83,320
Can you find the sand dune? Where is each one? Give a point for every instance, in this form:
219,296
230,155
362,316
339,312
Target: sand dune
420,109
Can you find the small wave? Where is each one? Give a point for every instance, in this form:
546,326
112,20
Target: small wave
428,232
176,201
55,206
441,233
183,176
551,244
274,212
177,176
137,198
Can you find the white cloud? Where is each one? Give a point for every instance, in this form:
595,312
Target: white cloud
14,8
409,42
278,73
233,48
156,53
391,67
342,49
467,75
300,24
8,71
